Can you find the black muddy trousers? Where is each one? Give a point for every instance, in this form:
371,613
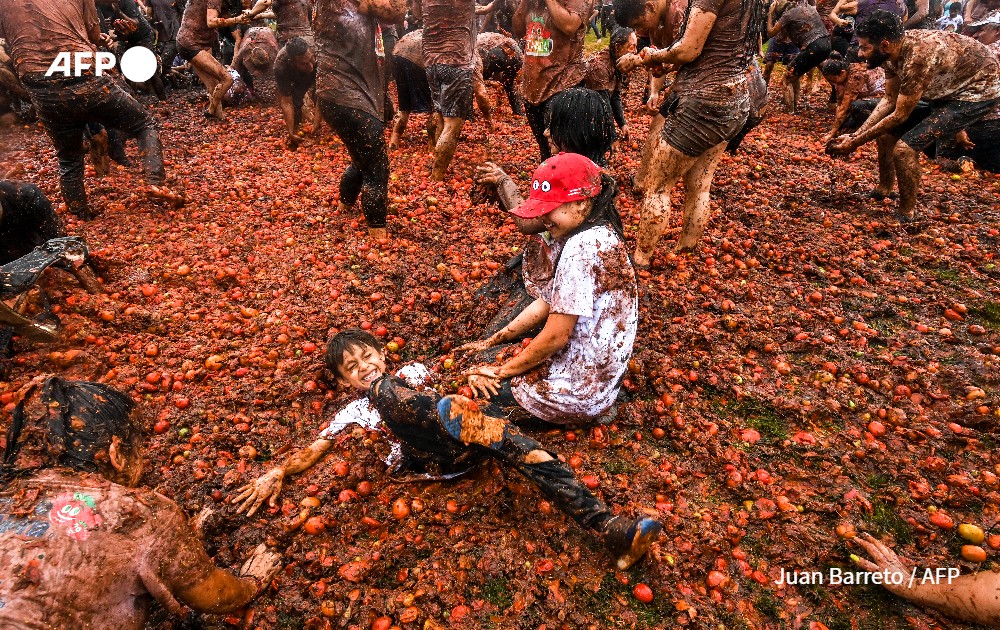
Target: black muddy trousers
66,105
413,417
368,174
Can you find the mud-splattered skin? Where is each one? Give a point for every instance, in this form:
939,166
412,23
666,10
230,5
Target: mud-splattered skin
294,19
77,551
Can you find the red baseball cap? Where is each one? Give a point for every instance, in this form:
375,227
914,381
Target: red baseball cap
560,179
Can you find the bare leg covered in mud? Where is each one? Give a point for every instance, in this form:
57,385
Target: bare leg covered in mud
907,165
886,166
215,79
652,140
667,166
444,148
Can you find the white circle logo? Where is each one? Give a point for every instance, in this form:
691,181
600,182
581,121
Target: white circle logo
534,185
546,187
138,64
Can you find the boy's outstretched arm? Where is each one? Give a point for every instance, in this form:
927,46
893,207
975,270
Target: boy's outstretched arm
268,486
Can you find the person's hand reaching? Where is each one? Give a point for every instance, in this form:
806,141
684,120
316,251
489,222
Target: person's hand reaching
266,488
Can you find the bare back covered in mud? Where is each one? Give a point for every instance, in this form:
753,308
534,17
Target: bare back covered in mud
78,551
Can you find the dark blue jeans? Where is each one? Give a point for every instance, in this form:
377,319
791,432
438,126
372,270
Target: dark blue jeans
413,417
65,106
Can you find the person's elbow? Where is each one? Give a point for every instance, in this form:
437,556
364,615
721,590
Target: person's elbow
685,54
570,24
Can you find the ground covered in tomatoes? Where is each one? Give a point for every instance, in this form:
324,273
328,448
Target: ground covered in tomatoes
812,365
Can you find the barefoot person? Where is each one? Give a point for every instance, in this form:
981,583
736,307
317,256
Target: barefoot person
957,77
447,434
81,546
36,31
449,49
708,105
195,41
295,76
350,88
801,24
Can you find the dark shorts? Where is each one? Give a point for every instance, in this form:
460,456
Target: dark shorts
693,126
813,55
780,52
412,90
187,54
451,89
930,122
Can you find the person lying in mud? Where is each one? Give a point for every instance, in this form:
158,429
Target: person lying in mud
452,433
585,298
972,598
81,545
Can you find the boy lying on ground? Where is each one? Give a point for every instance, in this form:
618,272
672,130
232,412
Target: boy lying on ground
81,545
453,433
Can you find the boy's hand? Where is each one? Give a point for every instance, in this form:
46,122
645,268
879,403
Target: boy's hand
266,488
484,386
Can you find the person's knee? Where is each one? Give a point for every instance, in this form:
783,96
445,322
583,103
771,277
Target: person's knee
903,152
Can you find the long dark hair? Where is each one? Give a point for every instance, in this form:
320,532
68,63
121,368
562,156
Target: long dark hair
580,121
618,38
68,423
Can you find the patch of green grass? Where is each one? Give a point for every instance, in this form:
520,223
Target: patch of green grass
619,466
947,274
885,327
605,603
497,592
287,621
885,519
989,312
877,481
766,604
758,415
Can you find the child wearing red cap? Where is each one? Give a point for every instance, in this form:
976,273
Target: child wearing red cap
586,300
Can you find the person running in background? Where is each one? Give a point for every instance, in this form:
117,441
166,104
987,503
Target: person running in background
553,32
294,77
803,26
708,105
36,32
196,41
350,88
449,51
